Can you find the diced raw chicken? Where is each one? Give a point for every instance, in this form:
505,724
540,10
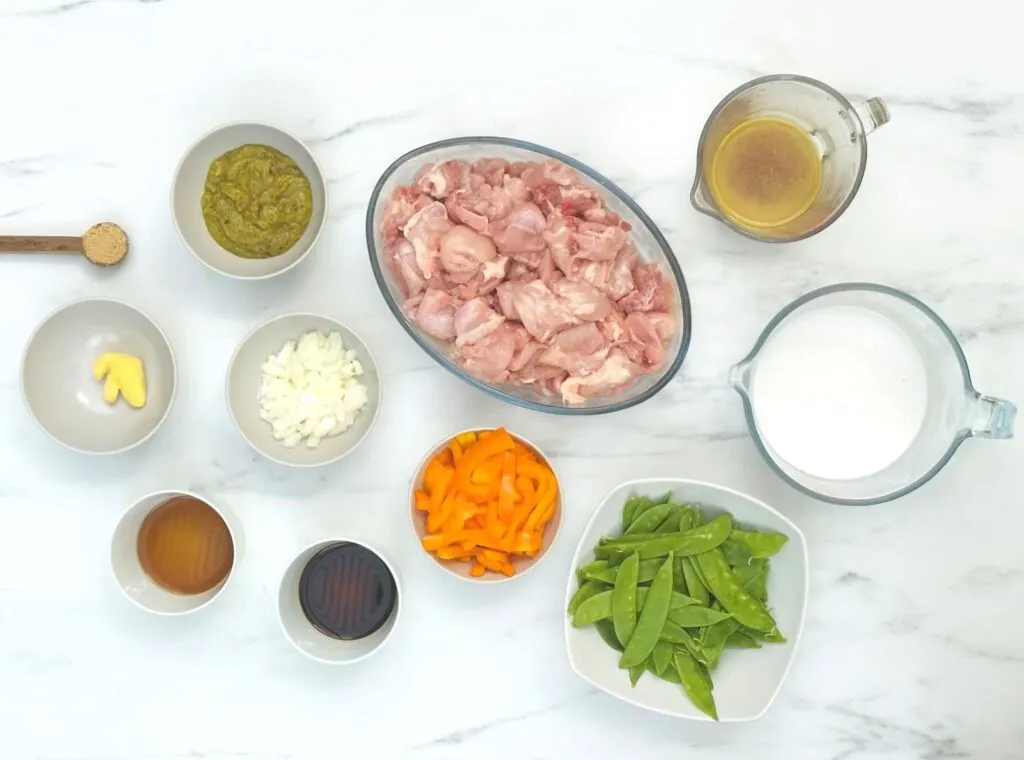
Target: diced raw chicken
620,278
644,334
541,313
616,371
489,357
525,355
517,190
652,293
521,230
558,236
550,172
440,179
664,324
483,281
579,350
596,273
463,250
491,169
403,260
583,300
424,230
602,215
578,200
478,207
474,320
613,328
405,202
598,242
435,315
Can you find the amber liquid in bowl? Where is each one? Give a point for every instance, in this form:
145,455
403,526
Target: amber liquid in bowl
185,546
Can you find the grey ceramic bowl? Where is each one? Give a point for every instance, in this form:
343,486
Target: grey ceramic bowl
245,375
61,393
190,179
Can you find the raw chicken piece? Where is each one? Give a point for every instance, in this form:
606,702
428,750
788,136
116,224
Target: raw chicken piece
517,190
525,355
435,315
405,202
551,386
616,371
478,206
598,242
541,313
491,169
584,301
403,260
550,172
483,281
602,215
474,320
442,178
620,279
519,272
664,324
652,293
424,230
644,335
546,268
489,357
596,273
613,328
558,236
463,250
520,231
578,200
579,350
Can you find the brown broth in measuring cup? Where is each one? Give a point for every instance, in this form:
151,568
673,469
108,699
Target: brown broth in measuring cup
347,592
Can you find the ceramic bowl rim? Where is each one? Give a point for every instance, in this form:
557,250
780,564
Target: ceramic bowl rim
321,179
369,354
396,615
795,637
35,334
490,577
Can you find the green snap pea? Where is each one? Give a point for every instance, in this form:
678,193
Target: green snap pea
742,640
760,545
599,606
694,585
635,672
652,619
695,541
629,509
624,599
731,595
600,571
773,636
593,567
685,520
606,631
736,554
697,616
649,521
675,634
669,674
662,656
713,638
679,576
584,592
695,683
755,580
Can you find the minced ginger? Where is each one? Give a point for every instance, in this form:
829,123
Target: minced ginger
124,375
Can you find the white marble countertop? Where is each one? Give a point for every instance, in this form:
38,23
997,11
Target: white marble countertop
914,646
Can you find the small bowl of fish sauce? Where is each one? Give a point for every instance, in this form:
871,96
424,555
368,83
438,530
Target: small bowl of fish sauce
249,200
338,601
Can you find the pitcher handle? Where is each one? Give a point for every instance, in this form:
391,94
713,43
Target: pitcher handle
873,113
991,417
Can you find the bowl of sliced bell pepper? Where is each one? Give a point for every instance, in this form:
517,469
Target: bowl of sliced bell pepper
486,505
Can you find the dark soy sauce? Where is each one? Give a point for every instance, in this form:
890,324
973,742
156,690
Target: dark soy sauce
346,591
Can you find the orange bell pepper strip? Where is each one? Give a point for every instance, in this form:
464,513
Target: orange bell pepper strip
476,569
437,518
507,491
466,439
456,449
422,501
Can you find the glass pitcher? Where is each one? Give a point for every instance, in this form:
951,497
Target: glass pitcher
954,410
838,131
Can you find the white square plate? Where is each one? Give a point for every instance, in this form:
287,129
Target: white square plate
746,680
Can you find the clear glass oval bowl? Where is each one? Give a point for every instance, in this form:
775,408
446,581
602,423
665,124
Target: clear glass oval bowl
650,244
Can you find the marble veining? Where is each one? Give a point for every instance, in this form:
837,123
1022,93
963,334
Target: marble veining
914,646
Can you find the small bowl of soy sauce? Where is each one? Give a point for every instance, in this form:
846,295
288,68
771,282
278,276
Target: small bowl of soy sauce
339,601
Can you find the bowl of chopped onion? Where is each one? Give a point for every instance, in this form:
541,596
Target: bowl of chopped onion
303,389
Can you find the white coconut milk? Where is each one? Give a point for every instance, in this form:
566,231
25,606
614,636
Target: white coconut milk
839,392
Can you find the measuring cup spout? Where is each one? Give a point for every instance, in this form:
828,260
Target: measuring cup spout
700,201
739,376
989,417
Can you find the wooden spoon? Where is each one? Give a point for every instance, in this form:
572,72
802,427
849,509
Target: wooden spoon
104,244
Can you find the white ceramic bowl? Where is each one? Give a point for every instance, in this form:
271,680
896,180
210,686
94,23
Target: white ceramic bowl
245,375
746,682
63,397
190,179
133,580
461,569
305,637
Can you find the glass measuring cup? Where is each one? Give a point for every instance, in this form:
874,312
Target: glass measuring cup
837,128
954,410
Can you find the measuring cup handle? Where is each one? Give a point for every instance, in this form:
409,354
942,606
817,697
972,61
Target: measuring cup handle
872,113
991,417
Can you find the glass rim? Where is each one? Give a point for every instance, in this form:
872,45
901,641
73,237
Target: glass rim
810,81
958,438
619,193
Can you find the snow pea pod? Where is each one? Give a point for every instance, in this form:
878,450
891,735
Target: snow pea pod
774,636
624,599
730,593
736,554
599,606
600,571
697,616
761,545
686,516
635,672
606,631
695,541
649,520
652,619
695,684
584,592
629,509
661,657
671,522
713,638
694,585
670,673
742,640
